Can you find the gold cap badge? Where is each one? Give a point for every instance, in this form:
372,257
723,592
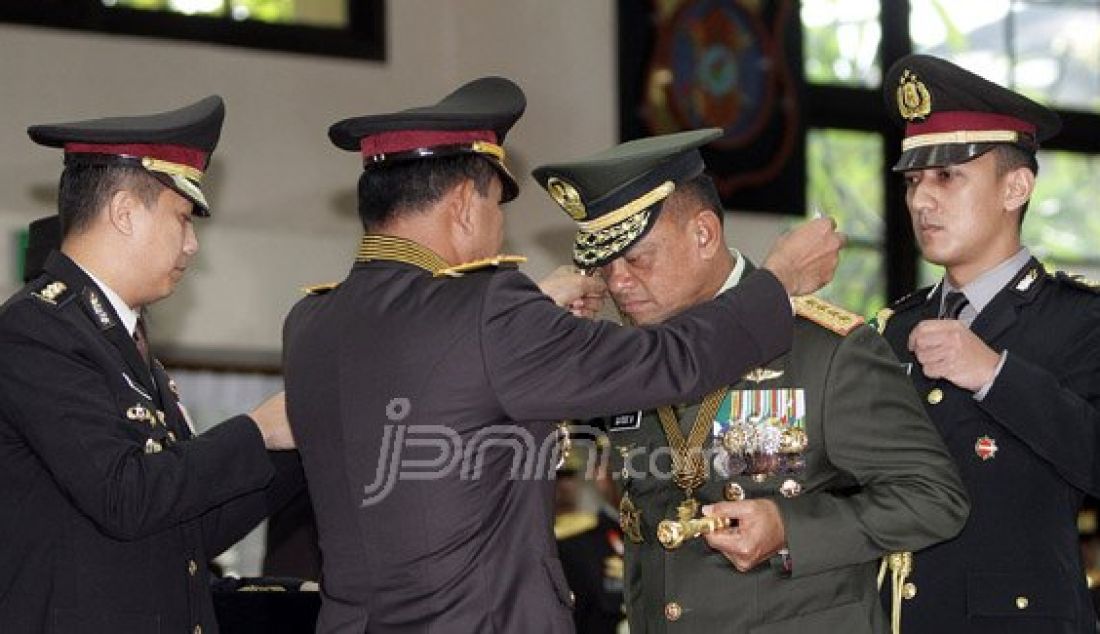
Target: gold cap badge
567,197
914,100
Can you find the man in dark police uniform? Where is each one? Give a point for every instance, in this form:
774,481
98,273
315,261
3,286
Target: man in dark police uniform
112,506
1005,355
821,459
423,389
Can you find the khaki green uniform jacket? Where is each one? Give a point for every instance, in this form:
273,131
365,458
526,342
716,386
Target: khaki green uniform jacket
876,479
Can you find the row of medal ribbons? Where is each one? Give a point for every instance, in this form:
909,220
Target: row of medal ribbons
761,433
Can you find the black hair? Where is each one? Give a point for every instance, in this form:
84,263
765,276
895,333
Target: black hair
703,190
85,189
388,190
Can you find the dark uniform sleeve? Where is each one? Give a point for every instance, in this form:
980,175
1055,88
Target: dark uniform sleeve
908,494
545,363
77,428
1056,413
229,523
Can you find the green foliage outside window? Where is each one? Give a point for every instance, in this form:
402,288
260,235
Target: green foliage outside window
844,181
316,12
840,40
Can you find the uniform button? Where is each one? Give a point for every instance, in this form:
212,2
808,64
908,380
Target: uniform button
909,590
197,630
935,396
192,567
1021,603
734,492
673,611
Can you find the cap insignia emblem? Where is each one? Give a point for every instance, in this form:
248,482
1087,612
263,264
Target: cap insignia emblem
914,101
567,197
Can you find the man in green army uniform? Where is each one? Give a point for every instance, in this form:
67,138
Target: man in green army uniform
797,478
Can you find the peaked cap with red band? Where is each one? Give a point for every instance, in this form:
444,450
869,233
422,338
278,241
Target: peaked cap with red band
952,116
174,147
474,119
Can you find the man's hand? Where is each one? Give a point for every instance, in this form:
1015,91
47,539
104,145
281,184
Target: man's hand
270,417
755,535
805,258
581,295
947,349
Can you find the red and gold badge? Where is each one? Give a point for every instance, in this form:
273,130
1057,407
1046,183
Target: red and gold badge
985,447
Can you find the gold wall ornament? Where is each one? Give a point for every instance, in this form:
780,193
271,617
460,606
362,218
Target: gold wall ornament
567,197
914,100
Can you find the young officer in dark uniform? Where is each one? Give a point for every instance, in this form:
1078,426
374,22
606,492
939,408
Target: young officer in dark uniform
112,507
424,391
821,458
1005,355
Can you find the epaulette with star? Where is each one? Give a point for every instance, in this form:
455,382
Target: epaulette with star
320,289
52,292
1078,281
826,315
497,261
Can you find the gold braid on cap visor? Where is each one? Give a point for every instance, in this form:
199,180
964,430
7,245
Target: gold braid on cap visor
185,177
960,136
605,236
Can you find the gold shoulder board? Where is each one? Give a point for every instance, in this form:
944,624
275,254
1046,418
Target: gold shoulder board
826,315
1080,281
459,270
319,289
569,525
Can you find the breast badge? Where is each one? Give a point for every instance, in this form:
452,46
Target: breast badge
986,448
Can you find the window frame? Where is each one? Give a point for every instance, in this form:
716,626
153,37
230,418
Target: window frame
362,38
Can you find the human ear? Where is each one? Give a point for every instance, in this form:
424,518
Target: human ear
1018,187
121,208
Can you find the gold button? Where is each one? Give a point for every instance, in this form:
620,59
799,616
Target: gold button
192,567
1021,603
673,611
197,630
909,590
935,396
734,492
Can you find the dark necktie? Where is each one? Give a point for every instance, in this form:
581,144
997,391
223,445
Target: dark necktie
141,341
953,305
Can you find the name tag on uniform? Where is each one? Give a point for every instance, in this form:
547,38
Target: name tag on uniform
626,422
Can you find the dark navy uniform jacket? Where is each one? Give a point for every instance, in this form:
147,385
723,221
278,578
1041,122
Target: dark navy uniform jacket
425,409
1027,454
110,508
